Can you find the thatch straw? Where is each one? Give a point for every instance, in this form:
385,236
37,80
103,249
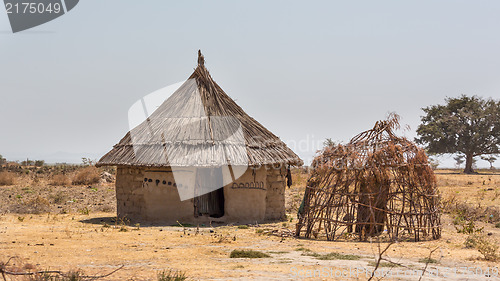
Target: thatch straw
199,125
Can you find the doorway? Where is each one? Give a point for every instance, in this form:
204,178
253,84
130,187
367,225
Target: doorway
210,185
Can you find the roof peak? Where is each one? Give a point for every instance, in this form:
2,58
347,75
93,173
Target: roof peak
201,58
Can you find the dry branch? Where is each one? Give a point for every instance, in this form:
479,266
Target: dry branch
4,271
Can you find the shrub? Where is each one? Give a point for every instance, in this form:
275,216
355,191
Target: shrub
302,249
105,209
84,211
470,241
58,198
338,256
242,226
466,227
463,211
36,206
248,254
86,176
486,247
7,178
428,260
47,276
383,264
171,276
60,180
331,256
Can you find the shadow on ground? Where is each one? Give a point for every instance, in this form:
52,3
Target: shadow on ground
125,221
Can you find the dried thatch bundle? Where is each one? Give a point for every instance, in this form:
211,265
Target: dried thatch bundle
378,180
199,125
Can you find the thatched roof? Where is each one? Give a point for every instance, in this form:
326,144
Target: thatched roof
199,125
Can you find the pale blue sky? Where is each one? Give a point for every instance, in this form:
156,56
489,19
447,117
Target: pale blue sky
307,70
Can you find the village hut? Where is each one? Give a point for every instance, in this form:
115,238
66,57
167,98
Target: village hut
379,184
199,157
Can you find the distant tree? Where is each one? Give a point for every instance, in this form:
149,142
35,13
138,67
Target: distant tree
87,161
27,162
434,162
329,142
39,163
467,125
2,160
474,163
459,159
491,159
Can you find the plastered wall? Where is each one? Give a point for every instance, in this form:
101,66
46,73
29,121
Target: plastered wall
151,195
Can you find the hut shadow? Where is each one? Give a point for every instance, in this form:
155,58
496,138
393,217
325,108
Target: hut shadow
473,174
125,221
100,221
446,173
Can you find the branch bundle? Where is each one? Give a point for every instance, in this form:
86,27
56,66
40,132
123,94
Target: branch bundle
377,183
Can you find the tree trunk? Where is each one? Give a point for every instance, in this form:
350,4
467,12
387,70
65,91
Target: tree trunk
468,163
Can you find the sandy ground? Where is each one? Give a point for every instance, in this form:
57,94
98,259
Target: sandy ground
97,244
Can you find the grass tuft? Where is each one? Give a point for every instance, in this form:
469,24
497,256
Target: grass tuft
331,256
428,260
7,178
60,180
86,176
302,249
383,264
171,275
248,254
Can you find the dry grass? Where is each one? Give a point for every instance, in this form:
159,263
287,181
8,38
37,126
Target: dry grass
248,254
60,180
76,240
485,246
171,275
7,178
58,197
331,256
86,176
36,205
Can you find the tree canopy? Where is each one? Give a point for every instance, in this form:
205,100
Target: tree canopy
465,125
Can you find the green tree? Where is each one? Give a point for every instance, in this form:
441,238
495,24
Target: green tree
467,125
2,160
27,162
459,159
491,159
329,142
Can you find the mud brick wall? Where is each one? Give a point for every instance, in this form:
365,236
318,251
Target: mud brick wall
129,192
275,197
256,196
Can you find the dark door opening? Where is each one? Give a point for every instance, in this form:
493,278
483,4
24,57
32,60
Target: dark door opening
209,203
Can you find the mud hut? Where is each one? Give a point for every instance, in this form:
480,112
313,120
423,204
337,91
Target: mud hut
199,157
377,184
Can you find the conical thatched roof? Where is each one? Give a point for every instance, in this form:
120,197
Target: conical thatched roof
199,125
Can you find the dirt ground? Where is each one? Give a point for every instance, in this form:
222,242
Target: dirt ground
71,237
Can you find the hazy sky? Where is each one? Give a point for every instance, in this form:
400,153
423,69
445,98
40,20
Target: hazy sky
306,70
